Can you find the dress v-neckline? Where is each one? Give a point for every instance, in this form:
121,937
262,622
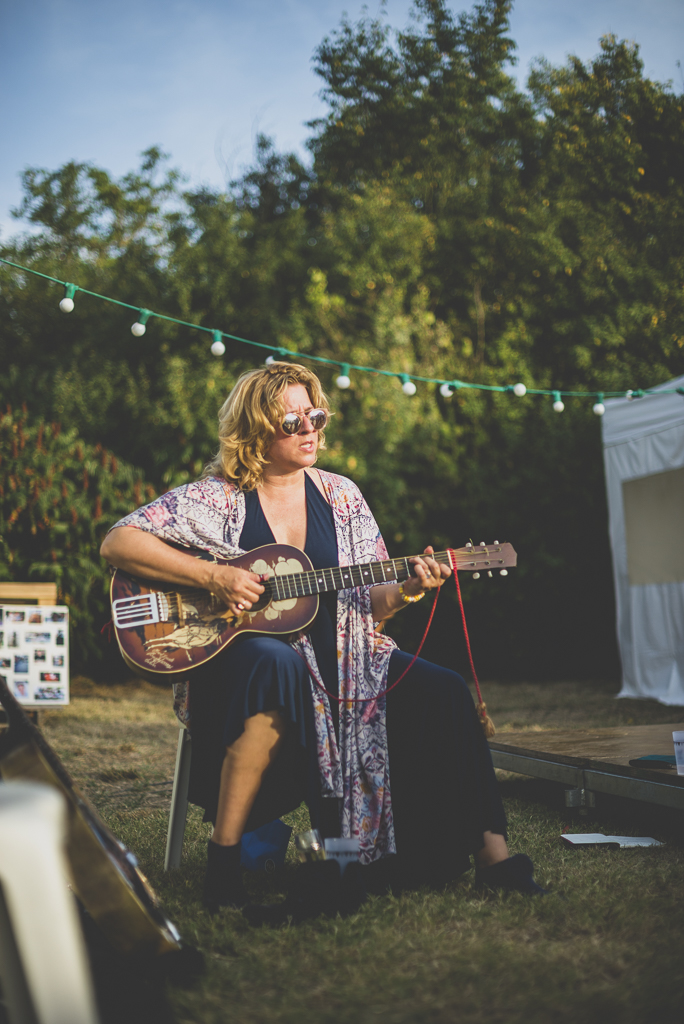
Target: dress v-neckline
307,483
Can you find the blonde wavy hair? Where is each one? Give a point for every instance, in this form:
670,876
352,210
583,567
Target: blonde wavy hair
249,416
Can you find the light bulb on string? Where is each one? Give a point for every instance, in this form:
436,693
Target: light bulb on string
67,303
217,346
599,408
558,404
407,385
343,381
447,389
519,390
274,356
138,328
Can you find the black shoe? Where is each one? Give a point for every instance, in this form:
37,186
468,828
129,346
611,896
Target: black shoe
515,873
318,889
223,886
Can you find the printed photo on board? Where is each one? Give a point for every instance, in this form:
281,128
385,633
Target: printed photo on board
57,617
60,639
39,655
13,640
38,638
58,661
35,617
49,677
5,663
15,616
49,693
21,690
21,663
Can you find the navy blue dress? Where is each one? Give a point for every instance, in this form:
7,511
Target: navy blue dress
444,790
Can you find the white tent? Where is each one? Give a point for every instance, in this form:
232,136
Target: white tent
643,448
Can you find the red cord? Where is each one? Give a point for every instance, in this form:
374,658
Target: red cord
359,700
465,628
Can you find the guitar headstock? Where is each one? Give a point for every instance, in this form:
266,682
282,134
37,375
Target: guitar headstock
479,558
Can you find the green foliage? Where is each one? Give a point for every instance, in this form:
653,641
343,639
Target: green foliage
449,226
58,498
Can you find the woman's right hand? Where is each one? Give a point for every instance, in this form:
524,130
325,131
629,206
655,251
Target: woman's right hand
237,588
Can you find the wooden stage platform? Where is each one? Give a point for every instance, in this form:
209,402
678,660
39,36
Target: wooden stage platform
589,761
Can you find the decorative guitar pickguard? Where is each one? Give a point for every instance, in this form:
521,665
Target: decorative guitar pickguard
281,568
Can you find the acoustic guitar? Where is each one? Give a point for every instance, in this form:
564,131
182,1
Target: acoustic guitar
167,630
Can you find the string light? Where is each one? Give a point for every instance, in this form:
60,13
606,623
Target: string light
558,405
67,303
599,408
217,346
275,354
344,380
138,328
407,385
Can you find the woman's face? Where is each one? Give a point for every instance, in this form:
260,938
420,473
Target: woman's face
290,452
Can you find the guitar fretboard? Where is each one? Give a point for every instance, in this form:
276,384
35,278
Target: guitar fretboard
394,570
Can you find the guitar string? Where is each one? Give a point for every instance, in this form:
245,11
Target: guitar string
305,581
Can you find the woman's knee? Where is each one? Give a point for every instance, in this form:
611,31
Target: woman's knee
268,651
442,684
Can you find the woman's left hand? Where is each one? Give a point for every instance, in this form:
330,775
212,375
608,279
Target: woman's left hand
429,573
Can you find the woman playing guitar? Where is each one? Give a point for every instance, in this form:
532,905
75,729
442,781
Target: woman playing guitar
279,719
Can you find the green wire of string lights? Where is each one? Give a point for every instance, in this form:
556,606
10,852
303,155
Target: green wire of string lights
447,387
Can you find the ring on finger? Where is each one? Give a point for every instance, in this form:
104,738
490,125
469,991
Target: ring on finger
240,607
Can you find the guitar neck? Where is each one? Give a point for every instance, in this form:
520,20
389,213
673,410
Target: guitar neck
394,570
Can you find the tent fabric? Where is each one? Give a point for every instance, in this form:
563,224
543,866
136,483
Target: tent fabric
642,437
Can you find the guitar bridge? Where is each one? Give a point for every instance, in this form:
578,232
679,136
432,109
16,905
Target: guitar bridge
142,610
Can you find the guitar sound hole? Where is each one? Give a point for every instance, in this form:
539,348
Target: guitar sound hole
263,601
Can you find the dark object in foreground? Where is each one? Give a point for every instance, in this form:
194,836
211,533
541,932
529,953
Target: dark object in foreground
134,989
514,874
104,874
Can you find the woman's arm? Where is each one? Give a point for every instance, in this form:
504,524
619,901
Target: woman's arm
143,554
386,599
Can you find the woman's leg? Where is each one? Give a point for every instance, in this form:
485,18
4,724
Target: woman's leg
494,850
243,769
445,796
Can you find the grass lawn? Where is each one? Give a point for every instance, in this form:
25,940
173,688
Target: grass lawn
607,946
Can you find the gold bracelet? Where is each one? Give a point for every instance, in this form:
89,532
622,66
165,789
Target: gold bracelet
410,598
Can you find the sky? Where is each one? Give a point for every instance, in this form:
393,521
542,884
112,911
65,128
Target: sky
102,80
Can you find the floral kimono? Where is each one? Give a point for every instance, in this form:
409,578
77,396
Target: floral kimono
209,515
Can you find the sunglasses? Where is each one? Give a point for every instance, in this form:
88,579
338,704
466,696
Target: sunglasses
292,423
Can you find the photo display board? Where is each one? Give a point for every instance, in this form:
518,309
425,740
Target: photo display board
34,653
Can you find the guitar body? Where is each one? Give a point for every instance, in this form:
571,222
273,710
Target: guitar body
199,626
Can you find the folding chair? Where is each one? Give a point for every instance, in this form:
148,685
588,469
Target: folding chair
179,801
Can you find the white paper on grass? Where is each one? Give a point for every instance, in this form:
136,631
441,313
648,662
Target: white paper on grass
596,838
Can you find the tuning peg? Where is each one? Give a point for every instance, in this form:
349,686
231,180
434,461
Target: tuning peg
503,572
476,575
469,544
482,544
496,542
489,573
